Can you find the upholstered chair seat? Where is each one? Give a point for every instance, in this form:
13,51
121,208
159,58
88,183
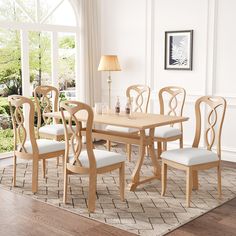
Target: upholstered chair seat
102,157
165,132
55,129
190,156
45,146
121,129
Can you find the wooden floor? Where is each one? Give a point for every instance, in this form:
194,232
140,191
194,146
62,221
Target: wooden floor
21,216
218,222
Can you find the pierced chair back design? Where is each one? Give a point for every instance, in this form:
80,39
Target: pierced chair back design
42,95
26,146
140,94
23,126
73,133
89,161
215,107
176,101
211,111
174,107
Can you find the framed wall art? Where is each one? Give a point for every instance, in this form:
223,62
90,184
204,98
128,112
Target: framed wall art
178,50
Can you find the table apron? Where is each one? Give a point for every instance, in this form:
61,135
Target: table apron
120,137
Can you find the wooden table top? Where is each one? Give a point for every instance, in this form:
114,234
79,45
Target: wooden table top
137,120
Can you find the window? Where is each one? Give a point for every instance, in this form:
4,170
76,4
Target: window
38,41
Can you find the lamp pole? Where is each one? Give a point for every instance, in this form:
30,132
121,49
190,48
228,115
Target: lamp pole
109,88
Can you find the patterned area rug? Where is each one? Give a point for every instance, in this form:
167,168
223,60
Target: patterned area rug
144,212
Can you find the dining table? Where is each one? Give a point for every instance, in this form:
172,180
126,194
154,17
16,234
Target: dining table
140,123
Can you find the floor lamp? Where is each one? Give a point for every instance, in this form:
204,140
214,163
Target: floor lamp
109,63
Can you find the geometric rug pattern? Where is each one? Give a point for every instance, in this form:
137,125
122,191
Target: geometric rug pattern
144,211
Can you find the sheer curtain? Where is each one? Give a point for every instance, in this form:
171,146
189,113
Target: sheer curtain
89,23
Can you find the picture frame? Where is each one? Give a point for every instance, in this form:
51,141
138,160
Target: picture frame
178,50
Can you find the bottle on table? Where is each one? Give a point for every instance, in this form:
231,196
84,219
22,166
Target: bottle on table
128,107
117,107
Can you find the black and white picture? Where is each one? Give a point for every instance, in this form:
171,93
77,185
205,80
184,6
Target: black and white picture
178,50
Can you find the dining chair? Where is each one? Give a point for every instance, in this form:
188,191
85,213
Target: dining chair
140,96
26,146
89,161
47,99
195,159
171,101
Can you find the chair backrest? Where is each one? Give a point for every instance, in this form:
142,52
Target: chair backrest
176,99
23,125
215,110
73,130
42,95
139,95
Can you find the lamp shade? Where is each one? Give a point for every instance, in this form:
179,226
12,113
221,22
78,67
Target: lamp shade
109,63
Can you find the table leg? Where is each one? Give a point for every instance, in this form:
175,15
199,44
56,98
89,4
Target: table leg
136,172
155,163
157,169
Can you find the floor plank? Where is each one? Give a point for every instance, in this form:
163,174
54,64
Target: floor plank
20,215
218,222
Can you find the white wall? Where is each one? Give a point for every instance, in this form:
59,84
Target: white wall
134,30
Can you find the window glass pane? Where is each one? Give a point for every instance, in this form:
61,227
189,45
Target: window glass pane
40,58
10,82
49,12
63,15
11,11
67,65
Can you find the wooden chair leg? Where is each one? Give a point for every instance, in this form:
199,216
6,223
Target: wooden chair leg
147,151
92,192
44,168
108,145
189,180
35,176
63,164
195,179
65,186
163,178
122,181
14,170
58,161
159,150
128,150
164,146
219,180
181,142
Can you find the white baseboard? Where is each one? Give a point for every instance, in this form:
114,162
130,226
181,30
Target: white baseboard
6,155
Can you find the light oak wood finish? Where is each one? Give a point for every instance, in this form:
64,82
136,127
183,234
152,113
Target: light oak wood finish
23,127
42,95
139,95
217,106
138,120
175,107
74,143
